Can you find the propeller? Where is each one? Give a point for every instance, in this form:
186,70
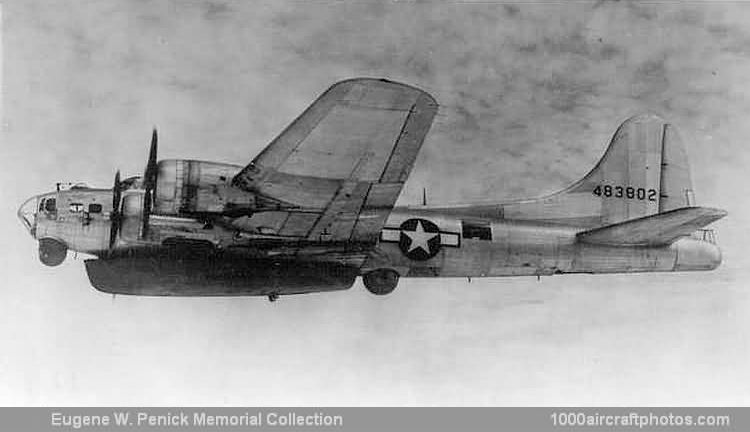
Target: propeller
149,177
115,216
149,183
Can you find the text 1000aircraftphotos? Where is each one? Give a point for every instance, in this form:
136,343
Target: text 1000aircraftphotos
194,418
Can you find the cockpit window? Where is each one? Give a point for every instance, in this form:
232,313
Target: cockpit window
76,207
95,208
50,205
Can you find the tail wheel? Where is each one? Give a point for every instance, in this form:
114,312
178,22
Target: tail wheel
381,281
52,252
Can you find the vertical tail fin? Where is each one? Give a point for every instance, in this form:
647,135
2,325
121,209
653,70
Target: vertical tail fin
643,172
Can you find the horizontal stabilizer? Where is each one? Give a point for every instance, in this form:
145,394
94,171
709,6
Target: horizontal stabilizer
659,229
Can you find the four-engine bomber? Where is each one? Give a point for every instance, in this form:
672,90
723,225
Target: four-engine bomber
315,209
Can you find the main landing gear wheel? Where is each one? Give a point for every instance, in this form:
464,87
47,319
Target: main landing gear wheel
52,252
381,281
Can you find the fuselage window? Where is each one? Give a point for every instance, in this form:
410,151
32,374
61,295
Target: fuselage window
50,205
476,230
76,207
95,208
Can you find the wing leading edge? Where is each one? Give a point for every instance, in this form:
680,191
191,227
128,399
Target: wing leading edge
338,169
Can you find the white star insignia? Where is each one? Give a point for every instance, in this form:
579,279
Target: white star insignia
420,238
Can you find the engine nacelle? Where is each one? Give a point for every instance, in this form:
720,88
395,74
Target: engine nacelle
190,186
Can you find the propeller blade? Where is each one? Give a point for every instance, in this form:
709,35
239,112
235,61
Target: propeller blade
115,214
146,212
149,183
149,177
116,192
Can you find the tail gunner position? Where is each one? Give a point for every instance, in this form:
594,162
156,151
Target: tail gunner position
315,209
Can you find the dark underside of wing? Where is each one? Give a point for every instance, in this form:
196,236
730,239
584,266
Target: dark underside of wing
338,169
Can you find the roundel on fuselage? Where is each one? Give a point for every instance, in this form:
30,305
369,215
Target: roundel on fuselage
419,239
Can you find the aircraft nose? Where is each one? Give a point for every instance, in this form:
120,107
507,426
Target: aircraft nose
27,214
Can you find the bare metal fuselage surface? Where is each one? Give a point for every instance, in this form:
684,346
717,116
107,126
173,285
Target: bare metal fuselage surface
529,248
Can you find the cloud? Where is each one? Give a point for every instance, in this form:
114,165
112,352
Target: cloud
488,64
216,10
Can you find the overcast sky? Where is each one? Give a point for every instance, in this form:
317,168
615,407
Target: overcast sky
530,95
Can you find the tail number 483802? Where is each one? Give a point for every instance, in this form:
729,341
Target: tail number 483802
625,192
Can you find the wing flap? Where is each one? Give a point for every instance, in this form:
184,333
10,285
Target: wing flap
658,229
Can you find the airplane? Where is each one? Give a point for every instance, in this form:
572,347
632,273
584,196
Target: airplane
316,209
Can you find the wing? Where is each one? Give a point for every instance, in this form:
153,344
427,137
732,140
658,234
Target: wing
659,229
338,169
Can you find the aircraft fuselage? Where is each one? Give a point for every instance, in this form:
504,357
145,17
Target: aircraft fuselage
415,242
476,247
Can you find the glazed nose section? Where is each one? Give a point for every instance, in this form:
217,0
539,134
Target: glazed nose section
695,254
27,214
